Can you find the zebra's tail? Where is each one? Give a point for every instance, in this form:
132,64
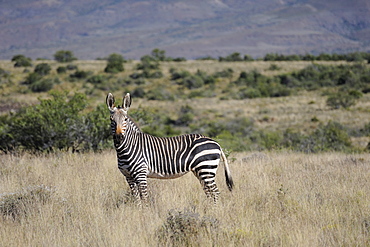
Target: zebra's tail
229,179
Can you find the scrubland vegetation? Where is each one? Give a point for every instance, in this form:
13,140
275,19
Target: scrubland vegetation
307,106
296,130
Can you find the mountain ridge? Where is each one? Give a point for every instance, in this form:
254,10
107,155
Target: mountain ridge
191,29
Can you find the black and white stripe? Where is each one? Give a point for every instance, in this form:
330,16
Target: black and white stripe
141,155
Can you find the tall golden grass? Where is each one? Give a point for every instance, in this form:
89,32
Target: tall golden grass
280,199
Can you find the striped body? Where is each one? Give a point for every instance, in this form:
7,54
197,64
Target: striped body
141,155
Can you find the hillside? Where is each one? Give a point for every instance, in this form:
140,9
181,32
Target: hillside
191,29
245,105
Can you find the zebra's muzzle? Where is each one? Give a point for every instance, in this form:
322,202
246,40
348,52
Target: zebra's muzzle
118,137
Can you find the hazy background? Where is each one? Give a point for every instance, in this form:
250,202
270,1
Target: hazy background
190,29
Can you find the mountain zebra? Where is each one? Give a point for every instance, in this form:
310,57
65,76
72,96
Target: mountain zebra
141,155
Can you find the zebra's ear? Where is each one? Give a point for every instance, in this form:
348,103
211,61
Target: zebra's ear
126,102
110,102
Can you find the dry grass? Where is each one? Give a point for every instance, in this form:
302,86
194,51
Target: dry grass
280,199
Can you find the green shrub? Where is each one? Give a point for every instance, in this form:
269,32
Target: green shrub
6,139
274,67
270,140
43,85
343,99
192,82
186,116
160,93
61,70
366,130
330,137
138,92
57,124
148,63
32,78
153,122
207,79
96,134
226,73
115,63
234,57
248,93
63,56
80,74
176,74
248,58
42,69
97,79
21,61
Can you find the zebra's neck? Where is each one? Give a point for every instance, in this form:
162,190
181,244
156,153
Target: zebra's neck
133,125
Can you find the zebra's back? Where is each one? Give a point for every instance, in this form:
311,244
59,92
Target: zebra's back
171,157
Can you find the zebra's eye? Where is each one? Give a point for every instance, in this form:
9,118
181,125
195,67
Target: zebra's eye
111,118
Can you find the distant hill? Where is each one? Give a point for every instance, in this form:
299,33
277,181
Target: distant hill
191,28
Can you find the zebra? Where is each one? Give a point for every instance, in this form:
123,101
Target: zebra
141,156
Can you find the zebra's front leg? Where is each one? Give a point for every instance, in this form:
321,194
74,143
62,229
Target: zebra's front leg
141,181
134,190
138,186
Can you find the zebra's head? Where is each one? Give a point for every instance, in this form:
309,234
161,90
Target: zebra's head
118,115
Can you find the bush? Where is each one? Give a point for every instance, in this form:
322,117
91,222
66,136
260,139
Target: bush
42,69
153,122
159,55
138,92
160,93
192,82
207,79
343,99
32,78
184,228
226,73
176,75
115,63
248,93
234,57
97,79
42,85
17,205
80,74
330,137
61,70
186,116
63,56
21,61
57,124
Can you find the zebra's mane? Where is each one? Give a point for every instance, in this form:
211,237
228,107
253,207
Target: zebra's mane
134,124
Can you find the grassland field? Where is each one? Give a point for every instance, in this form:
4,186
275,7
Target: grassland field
281,198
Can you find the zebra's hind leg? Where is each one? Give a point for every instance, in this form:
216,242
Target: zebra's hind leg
211,191
208,182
